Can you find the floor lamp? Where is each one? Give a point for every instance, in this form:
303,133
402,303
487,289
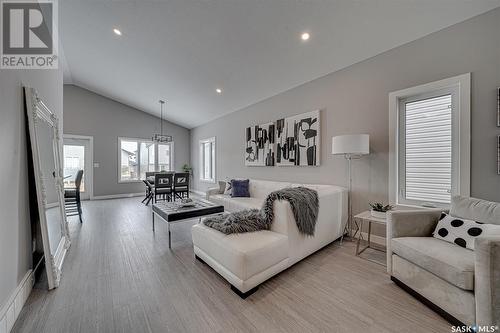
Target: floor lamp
352,147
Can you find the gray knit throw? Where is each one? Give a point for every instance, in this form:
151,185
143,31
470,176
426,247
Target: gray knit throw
303,201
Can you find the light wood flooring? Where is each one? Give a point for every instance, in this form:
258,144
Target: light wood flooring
120,277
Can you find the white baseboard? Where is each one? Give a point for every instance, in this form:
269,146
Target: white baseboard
11,310
117,196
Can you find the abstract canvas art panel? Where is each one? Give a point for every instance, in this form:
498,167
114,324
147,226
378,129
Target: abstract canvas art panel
298,140
260,141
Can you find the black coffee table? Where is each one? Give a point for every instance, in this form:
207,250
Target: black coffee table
173,212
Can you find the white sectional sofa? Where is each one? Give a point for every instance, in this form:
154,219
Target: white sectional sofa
248,259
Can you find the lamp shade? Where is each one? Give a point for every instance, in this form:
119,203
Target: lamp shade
357,144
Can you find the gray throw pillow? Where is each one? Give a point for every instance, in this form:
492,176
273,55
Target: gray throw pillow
228,188
222,186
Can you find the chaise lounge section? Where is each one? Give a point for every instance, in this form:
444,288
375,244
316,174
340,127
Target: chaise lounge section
248,259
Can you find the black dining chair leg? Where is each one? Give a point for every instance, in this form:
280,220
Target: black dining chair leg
79,208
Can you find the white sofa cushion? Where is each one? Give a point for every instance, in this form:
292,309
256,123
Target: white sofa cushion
450,262
236,204
243,254
262,188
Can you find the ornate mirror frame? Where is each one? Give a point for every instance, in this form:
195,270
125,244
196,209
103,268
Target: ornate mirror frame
38,112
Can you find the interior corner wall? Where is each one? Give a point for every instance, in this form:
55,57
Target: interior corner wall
90,114
355,100
15,229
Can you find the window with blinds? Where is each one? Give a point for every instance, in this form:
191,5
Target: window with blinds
207,160
426,148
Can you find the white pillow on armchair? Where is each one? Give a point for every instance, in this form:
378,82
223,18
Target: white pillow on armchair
463,232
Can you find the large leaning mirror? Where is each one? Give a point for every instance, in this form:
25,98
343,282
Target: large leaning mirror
45,148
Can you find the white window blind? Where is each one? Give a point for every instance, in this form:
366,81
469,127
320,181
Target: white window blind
427,149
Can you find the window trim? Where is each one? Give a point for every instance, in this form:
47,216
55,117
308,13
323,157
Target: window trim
462,147
214,162
139,141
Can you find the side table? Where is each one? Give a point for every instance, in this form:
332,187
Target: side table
367,217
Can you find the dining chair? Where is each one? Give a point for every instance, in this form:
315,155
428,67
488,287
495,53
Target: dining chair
163,186
72,200
150,176
149,192
181,185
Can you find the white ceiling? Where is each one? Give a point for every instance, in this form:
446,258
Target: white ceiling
182,50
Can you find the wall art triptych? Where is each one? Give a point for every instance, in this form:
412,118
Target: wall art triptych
292,141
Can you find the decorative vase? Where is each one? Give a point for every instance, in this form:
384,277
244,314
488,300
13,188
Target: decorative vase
379,215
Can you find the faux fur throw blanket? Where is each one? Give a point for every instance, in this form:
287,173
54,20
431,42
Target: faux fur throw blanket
305,208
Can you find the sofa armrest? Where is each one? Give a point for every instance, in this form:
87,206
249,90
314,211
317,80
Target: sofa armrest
412,223
283,217
212,191
409,223
487,280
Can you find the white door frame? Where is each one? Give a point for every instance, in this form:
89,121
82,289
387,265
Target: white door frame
90,185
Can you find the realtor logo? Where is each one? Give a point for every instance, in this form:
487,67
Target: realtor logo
29,34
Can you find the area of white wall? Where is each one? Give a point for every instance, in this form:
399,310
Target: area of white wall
355,100
15,230
87,113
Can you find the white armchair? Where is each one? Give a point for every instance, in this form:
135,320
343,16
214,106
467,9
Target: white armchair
460,284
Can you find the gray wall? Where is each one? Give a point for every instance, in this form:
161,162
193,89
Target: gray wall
87,113
15,230
355,100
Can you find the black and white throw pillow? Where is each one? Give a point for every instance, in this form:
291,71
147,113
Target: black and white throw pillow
462,232
229,188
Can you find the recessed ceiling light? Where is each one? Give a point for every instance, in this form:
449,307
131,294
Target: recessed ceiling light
117,32
305,36
218,90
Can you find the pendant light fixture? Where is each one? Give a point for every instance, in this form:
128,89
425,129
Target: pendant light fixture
160,138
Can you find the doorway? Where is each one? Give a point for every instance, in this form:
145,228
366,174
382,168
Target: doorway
78,154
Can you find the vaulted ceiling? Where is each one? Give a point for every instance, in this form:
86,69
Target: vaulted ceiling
183,50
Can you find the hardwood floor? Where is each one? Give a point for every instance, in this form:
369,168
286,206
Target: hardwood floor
120,277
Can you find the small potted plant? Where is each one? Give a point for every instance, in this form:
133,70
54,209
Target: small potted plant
379,210
187,168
